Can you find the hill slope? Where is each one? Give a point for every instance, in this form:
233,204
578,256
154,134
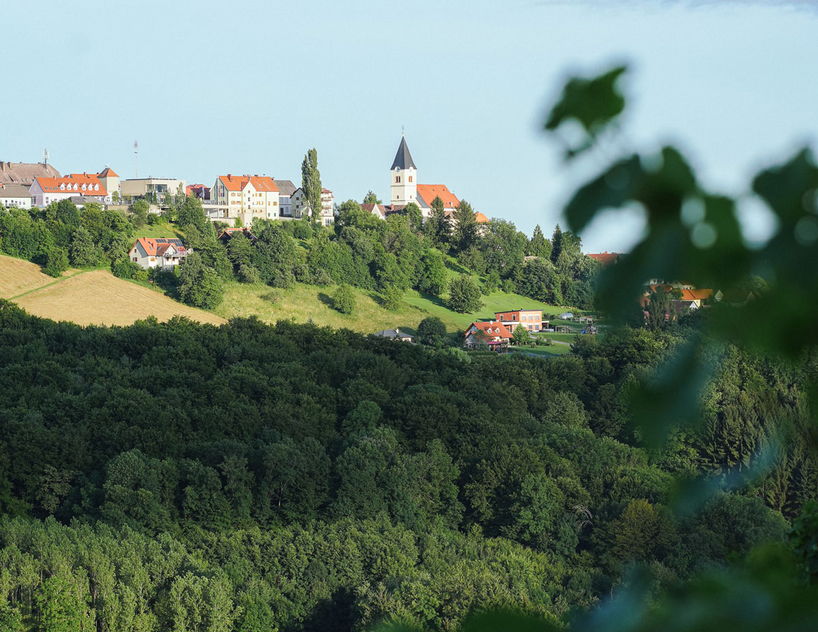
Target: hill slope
93,297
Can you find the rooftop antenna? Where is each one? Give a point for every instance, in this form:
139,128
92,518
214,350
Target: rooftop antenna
136,156
402,131
45,156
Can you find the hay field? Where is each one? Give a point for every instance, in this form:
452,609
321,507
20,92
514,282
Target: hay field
95,297
18,276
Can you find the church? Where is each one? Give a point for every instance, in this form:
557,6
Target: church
404,189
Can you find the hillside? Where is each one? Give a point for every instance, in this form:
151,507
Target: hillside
93,297
311,303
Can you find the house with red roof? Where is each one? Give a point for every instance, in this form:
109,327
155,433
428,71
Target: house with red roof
161,253
110,180
605,258
79,187
245,198
492,334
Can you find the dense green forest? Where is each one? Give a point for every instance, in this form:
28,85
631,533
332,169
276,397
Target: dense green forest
388,257
253,477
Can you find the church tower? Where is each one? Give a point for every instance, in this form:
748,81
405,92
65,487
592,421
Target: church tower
403,176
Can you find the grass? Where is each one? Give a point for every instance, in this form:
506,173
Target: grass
305,303
546,352
88,297
162,229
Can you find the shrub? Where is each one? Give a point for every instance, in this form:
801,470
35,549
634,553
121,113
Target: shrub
343,299
432,332
392,297
125,269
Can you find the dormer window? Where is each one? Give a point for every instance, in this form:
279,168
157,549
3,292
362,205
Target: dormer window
62,186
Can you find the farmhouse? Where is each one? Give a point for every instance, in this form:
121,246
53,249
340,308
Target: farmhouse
531,319
492,334
158,253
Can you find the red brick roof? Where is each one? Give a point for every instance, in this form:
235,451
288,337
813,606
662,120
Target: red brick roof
491,328
428,192
238,183
76,183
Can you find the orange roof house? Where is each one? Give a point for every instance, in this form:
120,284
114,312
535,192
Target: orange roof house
158,253
480,218
46,190
239,183
492,333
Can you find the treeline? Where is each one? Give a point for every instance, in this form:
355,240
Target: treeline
268,442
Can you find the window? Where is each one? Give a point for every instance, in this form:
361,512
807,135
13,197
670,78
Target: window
397,178
410,178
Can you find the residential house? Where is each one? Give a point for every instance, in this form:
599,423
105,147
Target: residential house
15,195
395,334
158,253
198,191
378,210
286,188
25,172
246,198
301,206
228,233
82,187
530,319
492,334
154,189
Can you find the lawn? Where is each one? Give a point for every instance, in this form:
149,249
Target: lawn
550,351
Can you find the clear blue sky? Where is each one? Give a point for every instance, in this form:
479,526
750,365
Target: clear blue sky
247,86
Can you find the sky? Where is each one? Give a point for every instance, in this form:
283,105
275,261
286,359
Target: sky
210,88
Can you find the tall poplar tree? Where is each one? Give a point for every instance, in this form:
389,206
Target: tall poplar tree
311,183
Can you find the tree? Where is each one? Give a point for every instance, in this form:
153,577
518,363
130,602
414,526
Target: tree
438,227
431,273
392,297
56,261
521,336
139,213
412,211
83,252
311,183
343,299
432,332
371,198
540,281
539,246
464,295
191,213
465,227
199,285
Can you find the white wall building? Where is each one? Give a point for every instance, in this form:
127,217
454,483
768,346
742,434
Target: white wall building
85,186
246,198
403,177
158,253
15,195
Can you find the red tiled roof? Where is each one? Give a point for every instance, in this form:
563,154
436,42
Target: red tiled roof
696,295
238,183
158,247
605,258
325,191
480,218
108,173
76,183
491,328
428,192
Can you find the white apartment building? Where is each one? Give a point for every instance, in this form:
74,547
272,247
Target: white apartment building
246,198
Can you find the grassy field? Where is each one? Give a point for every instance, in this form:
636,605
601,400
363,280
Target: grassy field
93,297
304,303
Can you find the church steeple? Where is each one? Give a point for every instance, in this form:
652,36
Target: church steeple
403,176
403,159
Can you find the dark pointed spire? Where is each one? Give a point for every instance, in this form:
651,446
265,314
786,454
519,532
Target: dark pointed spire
403,159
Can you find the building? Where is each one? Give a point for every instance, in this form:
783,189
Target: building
531,319
158,253
605,258
151,188
286,188
15,195
25,172
492,334
83,187
227,234
378,210
395,334
404,187
198,191
246,198
301,206
110,180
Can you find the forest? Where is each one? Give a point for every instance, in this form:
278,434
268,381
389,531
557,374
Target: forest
253,477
